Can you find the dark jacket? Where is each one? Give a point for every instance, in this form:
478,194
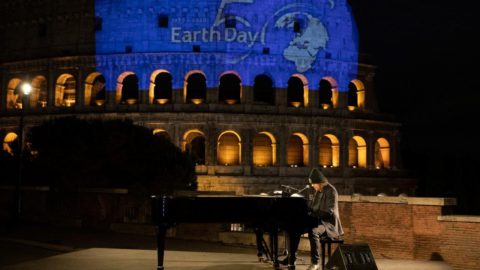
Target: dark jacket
324,206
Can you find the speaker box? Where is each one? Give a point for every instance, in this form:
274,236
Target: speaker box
352,257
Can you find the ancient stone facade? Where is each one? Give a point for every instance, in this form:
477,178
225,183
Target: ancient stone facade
247,132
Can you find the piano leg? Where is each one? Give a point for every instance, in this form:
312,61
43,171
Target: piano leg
274,248
293,241
161,233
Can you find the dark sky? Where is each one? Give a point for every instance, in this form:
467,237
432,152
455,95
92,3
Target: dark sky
427,77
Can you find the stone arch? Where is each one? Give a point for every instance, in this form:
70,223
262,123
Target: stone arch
329,151
297,150
229,148
13,93
160,91
263,90
127,88
65,90
328,93
230,88
195,87
10,143
162,133
194,145
356,94
39,94
264,149
95,93
357,152
382,154
297,91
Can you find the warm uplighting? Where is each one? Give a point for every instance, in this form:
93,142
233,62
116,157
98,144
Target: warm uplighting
296,104
325,106
69,102
351,108
162,101
231,101
131,101
325,166
197,101
100,102
43,104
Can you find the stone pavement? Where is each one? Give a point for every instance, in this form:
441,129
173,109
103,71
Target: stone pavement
80,249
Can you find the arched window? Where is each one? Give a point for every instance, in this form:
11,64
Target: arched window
357,152
129,90
162,88
325,94
11,144
356,94
39,94
229,90
194,145
14,94
329,154
161,133
196,88
264,149
65,91
352,96
295,92
263,91
229,149
297,150
95,94
382,154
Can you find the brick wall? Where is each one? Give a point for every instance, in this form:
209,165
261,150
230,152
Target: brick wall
412,228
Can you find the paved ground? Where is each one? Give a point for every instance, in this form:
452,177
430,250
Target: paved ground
30,248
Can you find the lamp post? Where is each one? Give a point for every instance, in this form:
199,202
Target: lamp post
26,89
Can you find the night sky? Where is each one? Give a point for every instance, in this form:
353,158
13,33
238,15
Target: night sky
426,77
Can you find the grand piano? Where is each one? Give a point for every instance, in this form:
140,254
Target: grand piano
271,213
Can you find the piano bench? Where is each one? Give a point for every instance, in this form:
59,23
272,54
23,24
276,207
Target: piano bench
328,241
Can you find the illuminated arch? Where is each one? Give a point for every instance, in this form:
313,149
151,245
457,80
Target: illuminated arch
329,151
382,154
229,148
264,149
356,94
65,90
162,133
9,139
39,94
194,144
357,152
297,150
195,87
13,93
297,91
95,93
328,93
230,88
160,91
127,88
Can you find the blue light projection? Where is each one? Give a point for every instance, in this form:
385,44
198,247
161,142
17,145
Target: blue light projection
279,38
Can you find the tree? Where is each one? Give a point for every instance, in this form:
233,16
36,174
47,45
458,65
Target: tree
72,153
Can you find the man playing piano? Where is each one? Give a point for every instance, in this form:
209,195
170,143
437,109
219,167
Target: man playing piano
323,208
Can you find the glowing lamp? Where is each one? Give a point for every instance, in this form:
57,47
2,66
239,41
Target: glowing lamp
131,101
351,108
100,102
26,88
325,106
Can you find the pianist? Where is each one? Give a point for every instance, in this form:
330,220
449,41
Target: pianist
323,208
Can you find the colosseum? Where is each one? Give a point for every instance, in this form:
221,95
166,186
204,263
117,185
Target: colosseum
257,92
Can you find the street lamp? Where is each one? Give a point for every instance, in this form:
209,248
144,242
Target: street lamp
26,89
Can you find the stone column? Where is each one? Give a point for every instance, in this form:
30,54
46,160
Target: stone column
247,150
